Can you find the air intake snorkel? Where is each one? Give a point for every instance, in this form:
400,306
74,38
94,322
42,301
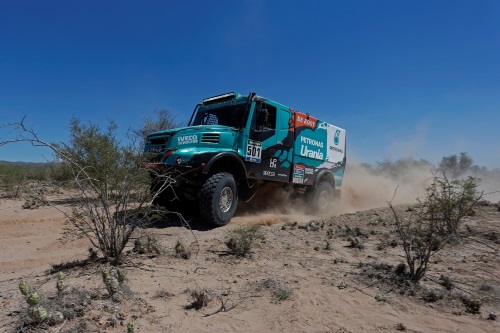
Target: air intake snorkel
250,98
192,115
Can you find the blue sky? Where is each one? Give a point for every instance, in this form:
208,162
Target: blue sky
404,78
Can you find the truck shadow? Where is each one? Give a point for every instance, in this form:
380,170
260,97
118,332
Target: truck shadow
178,220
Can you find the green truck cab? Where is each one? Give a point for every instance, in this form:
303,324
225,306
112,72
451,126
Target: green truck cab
235,144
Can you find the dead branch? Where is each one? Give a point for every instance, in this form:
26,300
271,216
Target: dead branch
224,308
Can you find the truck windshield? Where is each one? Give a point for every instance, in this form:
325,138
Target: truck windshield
233,115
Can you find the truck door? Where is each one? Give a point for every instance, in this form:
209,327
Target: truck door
262,150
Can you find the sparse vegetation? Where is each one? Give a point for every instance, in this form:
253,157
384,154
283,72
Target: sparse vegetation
148,244
446,282
400,327
348,231
472,306
17,178
115,280
242,239
106,308
339,261
162,294
342,285
181,251
131,327
354,242
279,290
381,297
200,298
431,295
282,292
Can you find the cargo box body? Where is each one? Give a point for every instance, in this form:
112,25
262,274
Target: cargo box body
318,146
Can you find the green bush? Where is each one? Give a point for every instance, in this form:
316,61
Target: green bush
435,221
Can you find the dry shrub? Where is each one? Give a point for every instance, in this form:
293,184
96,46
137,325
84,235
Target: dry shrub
200,298
472,305
242,239
280,291
181,251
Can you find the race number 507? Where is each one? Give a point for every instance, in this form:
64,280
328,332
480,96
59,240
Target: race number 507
254,151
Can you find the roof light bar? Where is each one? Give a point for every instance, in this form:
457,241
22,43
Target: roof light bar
219,98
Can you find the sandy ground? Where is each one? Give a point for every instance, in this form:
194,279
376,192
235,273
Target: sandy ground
330,291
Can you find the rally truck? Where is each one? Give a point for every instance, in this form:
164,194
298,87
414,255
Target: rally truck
233,145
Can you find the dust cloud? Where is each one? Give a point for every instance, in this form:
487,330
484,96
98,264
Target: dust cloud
364,187
489,184
271,205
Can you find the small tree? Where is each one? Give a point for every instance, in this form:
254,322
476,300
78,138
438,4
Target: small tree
456,165
435,221
113,190
162,120
448,202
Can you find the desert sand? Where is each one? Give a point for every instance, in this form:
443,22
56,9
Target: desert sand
328,285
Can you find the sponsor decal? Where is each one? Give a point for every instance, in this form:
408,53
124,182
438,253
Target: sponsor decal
336,138
254,151
298,174
337,149
305,151
311,148
309,171
187,139
298,180
282,175
298,167
269,173
272,162
303,120
312,142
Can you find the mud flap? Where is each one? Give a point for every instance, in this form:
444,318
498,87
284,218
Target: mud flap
337,195
247,191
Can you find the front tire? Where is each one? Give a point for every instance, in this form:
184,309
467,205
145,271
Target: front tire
218,199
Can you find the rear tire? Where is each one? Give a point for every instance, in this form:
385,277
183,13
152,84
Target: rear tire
321,198
218,199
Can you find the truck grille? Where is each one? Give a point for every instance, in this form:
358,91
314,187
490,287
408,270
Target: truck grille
159,140
210,138
154,158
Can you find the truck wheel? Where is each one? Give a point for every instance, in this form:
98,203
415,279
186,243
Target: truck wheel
321,198
218,198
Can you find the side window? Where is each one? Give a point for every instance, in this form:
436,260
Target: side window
263,122
269,122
